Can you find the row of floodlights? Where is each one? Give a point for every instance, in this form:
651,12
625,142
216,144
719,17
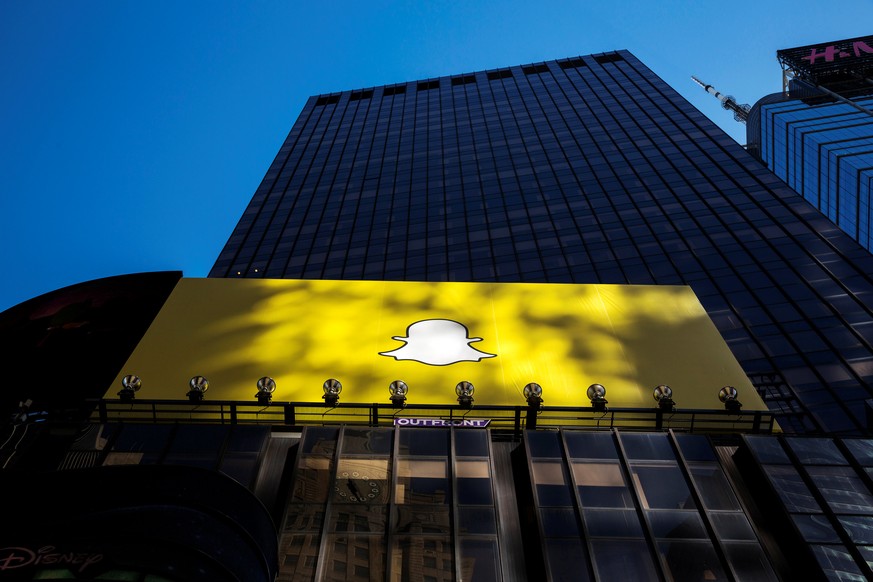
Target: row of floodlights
398,389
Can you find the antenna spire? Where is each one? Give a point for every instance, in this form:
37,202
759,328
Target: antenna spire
741,112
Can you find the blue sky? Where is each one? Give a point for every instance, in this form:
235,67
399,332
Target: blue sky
132,134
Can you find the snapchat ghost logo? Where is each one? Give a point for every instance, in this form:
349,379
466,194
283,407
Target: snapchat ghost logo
437,342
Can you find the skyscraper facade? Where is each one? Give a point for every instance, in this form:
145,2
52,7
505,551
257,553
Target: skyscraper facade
582,170
818,134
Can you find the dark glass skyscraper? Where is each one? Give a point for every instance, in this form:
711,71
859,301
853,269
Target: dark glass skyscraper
581,170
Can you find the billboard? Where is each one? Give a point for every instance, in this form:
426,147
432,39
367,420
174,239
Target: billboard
498,336
820,62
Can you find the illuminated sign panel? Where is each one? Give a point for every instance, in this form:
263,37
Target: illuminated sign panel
497,336
817,62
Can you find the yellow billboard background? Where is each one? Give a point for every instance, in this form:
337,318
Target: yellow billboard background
562,336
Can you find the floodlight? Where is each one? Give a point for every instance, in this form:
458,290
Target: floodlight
597,396
198,386
728,395
465,390
533,393
398,390
130,384
663,395
332,388
266,387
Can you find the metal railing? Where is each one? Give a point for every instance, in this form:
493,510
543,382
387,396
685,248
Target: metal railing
506,418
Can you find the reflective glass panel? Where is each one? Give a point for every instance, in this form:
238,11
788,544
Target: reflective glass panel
648,447
676,524
360,480
354,558
862,450
791,489
662,487
422,519
479,560
837,563
842,489
601,485
767,450
815,451
749,562
422,558
312,481
715,491
732,526
471,443
476,520
566,560
815,528
612,523
357,518
473,482
543,444
623,560
551,483
689,560
860,528
421,481
424,442
372,441
695,447
590,445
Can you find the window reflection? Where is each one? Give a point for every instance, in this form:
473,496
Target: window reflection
479,560
791,489
601,485
312,480
623,560
566,560
690,560
422,558
842,489
421,481
550,480
662,487
715,491
354,558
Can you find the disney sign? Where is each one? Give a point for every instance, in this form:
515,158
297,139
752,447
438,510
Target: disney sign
14,557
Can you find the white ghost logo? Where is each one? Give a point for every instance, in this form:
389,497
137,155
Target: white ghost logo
437,342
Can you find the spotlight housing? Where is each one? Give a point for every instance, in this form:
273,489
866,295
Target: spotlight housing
663,395
533,393
728,395
465,390
130,384
266,387
597,395
198,386
332,388
398,390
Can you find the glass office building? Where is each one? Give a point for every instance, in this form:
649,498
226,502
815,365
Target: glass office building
582,170
818,134
825,152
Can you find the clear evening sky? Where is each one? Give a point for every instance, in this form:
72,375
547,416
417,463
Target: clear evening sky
133,134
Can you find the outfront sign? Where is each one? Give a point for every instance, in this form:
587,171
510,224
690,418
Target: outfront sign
432,336
443,422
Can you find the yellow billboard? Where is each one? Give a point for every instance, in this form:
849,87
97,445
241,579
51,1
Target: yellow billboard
498,336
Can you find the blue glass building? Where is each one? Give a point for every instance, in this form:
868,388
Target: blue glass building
825,152
817,134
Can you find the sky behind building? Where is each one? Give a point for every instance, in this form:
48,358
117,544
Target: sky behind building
133,135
